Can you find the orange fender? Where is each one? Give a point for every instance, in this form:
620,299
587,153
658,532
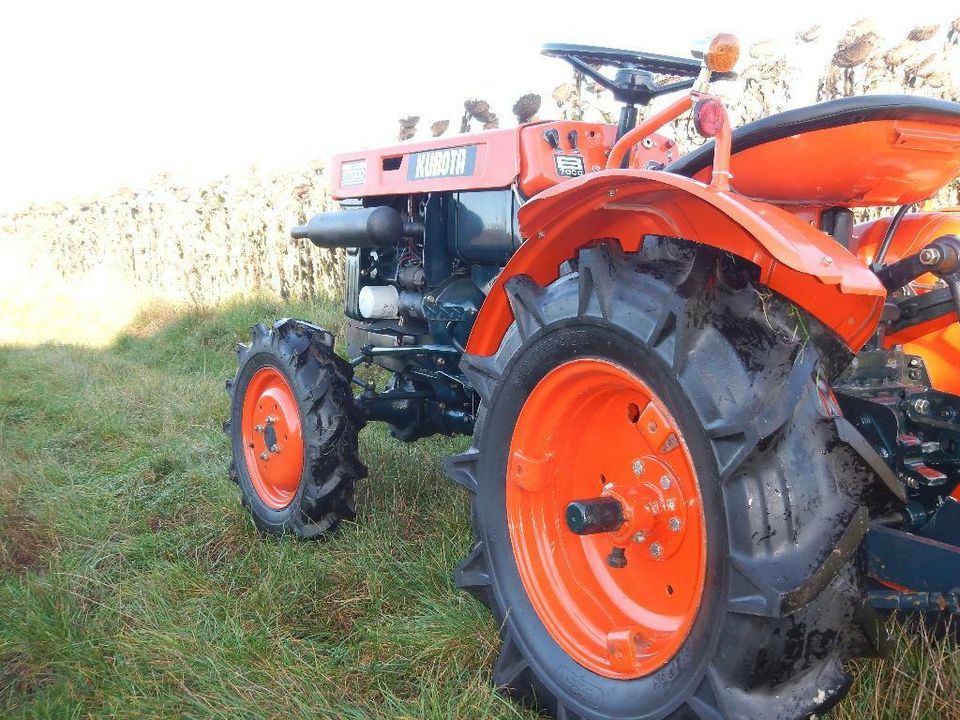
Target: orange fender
795,259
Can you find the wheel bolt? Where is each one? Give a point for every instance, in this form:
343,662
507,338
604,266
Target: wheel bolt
665,482
929,256
617,558
264,456
655,550
674,524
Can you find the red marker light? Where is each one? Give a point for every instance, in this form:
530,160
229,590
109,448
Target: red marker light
708,116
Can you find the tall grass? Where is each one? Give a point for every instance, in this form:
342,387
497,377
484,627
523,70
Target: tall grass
133,585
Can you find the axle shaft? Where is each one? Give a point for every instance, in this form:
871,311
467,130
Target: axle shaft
595,515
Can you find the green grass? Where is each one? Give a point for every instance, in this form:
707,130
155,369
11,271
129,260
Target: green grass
133,585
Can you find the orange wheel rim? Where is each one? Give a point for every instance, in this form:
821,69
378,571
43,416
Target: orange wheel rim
272,438
591,429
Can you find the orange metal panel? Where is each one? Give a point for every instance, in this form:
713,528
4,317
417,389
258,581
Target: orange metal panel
502,157
538,168
937,341
916,231
387,171
796,260
881,162
939,347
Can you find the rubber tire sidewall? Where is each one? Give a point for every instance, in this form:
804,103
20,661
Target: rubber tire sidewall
268,519
663,691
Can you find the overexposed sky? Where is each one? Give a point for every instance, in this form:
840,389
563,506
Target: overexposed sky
97,94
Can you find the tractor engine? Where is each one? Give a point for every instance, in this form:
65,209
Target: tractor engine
418,269
427,228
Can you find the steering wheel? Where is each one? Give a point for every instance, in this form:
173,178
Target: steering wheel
634,83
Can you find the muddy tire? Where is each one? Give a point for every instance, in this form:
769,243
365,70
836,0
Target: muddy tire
737,376
294,431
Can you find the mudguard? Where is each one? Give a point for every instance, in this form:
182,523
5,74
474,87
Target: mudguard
796,260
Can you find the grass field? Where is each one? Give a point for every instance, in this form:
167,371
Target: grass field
132,584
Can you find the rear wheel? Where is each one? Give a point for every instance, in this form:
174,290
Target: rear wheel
660,528
597,446
294,430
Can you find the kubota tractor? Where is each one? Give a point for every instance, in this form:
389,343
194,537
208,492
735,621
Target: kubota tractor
716,423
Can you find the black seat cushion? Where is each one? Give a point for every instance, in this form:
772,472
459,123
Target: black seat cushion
833,113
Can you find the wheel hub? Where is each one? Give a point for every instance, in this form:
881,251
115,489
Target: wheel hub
272,437
650,512
605,518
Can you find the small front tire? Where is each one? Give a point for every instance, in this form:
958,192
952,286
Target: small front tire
294,431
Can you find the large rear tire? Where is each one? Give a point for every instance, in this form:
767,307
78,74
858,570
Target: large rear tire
294,430
754,610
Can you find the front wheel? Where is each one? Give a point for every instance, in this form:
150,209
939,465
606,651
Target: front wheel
294,431
659,528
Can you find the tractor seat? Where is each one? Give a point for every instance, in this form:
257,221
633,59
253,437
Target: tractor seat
864,151
822,116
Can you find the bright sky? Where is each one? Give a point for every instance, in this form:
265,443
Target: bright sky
96,94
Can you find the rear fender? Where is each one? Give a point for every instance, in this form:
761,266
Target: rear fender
795,259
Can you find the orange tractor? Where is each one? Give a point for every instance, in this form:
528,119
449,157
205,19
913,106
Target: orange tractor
716,422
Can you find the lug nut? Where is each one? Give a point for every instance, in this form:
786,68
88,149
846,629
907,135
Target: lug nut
264,456
274,448
271,419
665,482
258,428
639,537
674,524
655,550
921,406
929,256
638,467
